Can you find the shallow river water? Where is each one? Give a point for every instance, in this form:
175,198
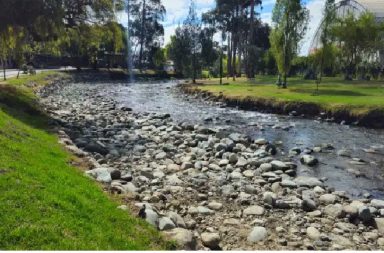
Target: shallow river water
356,180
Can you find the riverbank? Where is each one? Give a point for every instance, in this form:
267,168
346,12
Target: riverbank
358,103
209,188
46,201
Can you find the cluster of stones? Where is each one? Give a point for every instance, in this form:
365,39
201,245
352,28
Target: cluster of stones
205,188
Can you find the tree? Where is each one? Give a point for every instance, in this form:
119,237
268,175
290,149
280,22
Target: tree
146,29
358,39
325,38
290,20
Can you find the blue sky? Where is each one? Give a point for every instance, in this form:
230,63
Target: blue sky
177,11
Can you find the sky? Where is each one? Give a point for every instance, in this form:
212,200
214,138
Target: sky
177,10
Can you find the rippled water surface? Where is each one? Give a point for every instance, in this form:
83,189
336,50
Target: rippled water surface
165,98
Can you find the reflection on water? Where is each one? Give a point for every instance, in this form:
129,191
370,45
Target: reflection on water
165,98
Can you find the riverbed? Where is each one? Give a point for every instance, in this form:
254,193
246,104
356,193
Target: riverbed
287,131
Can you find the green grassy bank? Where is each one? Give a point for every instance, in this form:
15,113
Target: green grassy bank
45,203
353,102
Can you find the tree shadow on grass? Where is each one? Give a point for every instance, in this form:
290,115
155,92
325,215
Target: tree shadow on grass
22,106
330,92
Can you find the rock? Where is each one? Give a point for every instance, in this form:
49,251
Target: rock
186,165
350,210
249,173
265,167
308,181
211,240
254,210
233,158
308,205
269,198
344,153
204,210
379,222
313,233
309,160
174,180
232,222
327,199
166,223
161,156
215,206
257,234
96,148
183,237
250,189
278,165
173,168
377,203
261,141
151,217
335,211
365,214
102,175
115,175
316,213
241,162
288,183
129,187
177,219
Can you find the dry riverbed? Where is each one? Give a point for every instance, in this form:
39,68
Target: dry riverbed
206,188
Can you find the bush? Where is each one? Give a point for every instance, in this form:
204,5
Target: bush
31,70
24,68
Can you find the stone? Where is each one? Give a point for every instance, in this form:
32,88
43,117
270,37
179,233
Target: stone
215,205
344,153
173,168
261,141
102,175
379,222
308,181
115,174
183,237
211,240
151,217
257,234
288,183
177,219
241,162
308,205
161,155
313,233
204,210
365,214
269,198
233,158
174,180
232,222
254,210
265,167
278,165
309,160
249,173
377,203
166,223
335,211
327,199
186,165
250,189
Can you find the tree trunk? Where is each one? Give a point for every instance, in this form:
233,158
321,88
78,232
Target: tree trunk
194,67
229,58
251,72
221,64
4,71
142,36
18,74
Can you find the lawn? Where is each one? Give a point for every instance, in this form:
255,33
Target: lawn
47,204
358,96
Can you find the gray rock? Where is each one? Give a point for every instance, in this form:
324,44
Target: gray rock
183,237
151,217
278,165
308,181
269,198
335,211
257,234
166,223
365,214
186,165
261,141
309,160
102,175
211,240
379,222
177,219
250,189
308,205
344,153
215,205
327,199
265,167
377,203
115,174
233,158
204,210
161,155
313,233
288,183
254,210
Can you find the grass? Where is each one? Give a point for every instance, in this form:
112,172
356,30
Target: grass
334,93
47,204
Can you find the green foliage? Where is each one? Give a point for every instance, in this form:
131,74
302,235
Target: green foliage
290,18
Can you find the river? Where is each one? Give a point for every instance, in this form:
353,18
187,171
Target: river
286,131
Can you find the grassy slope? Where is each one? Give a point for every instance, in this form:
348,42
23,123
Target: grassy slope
45,202
358,96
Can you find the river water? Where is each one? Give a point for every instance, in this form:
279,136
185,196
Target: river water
164,97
